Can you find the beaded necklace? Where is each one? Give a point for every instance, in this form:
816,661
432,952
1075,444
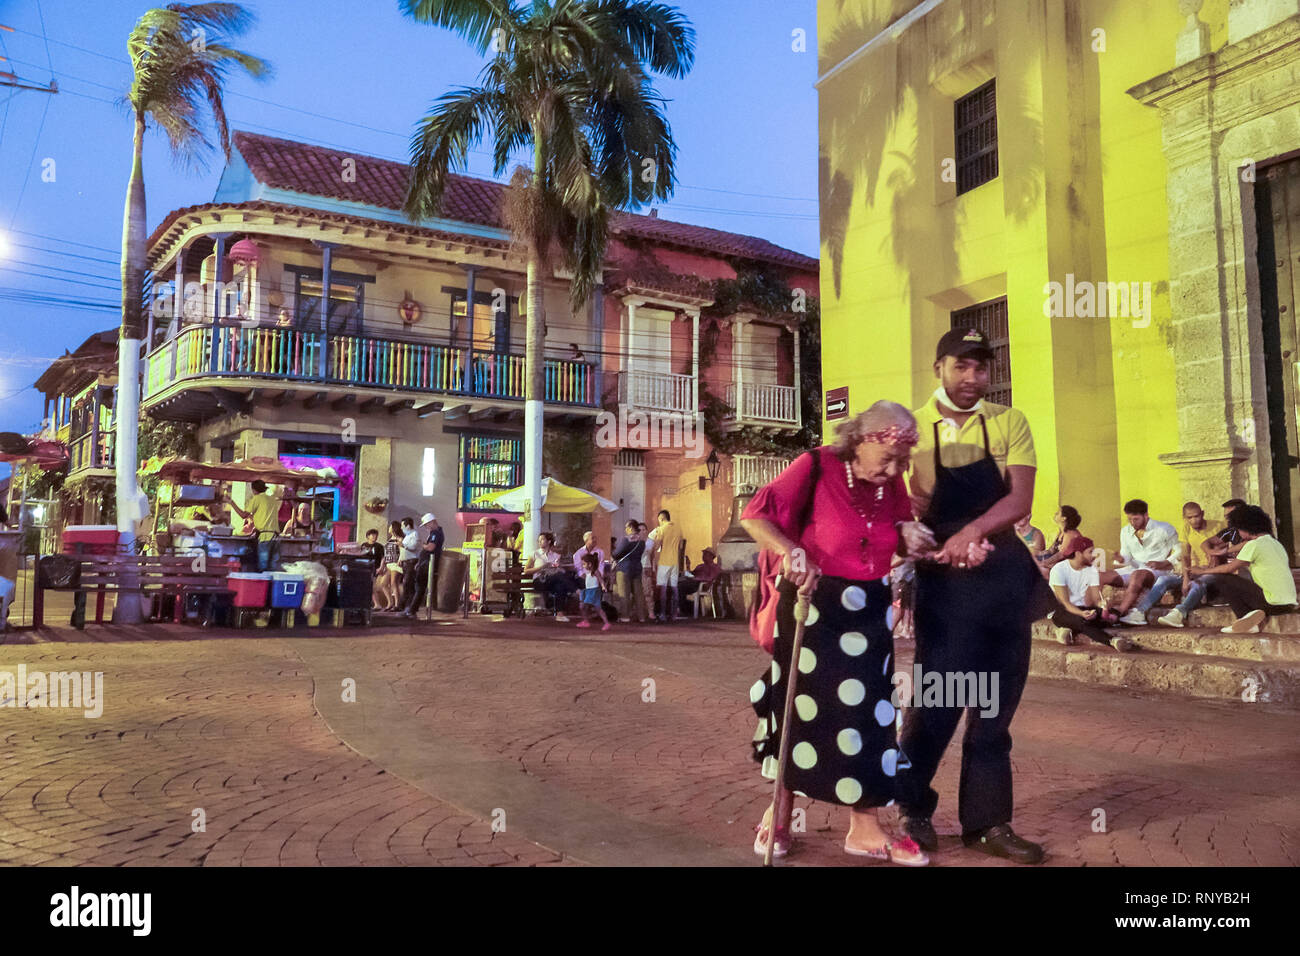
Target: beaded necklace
855,496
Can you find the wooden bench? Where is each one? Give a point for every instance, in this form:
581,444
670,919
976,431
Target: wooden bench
161,575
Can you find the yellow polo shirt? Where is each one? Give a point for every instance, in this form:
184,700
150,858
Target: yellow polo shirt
1195,540
1010,443
265,512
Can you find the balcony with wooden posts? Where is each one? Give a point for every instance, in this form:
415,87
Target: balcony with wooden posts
204,370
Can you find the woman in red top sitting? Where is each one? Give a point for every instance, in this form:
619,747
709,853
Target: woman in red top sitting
844,748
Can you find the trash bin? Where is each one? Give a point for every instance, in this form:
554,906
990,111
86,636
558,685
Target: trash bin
352,586
451,580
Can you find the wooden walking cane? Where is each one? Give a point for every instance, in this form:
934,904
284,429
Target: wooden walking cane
800,617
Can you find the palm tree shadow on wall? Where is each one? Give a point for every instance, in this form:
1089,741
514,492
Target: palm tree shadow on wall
877,138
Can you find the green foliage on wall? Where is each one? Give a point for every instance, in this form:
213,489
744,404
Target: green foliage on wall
764,294
167,440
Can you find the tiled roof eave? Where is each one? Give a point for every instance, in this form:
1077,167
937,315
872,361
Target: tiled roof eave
162,239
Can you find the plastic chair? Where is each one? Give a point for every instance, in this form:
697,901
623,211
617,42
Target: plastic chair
705,591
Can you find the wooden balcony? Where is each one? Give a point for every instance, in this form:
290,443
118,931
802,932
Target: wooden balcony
257,357
773,406
755,470
657,391
87,455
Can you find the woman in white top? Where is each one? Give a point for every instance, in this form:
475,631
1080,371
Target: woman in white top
548,577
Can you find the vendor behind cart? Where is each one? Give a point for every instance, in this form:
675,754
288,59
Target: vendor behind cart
264,511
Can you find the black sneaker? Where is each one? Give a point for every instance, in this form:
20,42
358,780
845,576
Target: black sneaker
922,831
1001,841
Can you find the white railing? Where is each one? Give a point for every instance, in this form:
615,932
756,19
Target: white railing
755,470
764,403
661,391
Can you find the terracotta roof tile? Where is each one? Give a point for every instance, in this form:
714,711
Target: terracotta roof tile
317,170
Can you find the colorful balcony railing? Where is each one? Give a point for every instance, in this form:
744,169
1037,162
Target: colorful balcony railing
83,453
294,356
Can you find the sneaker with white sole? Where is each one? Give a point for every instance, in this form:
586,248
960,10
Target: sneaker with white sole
1173,619
1134,617
1249,624
562,618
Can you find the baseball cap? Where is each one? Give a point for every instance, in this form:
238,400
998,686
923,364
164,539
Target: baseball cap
964,343
1077,545
428,517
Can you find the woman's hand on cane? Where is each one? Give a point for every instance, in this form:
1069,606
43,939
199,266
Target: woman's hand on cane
799,570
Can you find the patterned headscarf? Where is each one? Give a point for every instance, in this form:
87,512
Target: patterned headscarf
888,423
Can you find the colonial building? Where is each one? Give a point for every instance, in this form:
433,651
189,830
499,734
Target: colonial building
80,389
415,398
1112,192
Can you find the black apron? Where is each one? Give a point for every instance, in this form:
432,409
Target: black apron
1008,586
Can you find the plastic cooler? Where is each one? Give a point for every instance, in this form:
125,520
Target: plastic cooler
93,538
287,589
250,588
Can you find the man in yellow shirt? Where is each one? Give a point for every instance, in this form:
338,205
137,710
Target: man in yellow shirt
667,542
264,510
972,479
1196,530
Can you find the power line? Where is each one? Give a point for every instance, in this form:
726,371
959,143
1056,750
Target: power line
69,255
374,129
35,146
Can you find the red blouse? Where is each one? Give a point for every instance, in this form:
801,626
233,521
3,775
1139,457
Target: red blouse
836,532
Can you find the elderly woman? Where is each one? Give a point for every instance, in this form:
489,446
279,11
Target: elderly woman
836,522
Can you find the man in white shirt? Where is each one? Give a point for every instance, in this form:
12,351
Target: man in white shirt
589,547
1146,548
1077,585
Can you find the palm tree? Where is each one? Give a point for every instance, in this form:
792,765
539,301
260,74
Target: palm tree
569,79
179,65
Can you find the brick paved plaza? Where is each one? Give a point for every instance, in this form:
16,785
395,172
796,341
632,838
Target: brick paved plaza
543,729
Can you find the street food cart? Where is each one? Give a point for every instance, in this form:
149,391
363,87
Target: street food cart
203,487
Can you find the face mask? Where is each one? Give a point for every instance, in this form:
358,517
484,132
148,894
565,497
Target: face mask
941,395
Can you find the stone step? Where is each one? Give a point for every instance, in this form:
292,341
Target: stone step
1205,641
1168,672
1222,616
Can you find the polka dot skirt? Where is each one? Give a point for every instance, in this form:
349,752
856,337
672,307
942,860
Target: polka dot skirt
844,745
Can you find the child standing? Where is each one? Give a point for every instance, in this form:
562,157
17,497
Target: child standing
592,591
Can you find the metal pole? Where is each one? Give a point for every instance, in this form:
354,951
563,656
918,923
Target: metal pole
471,292
219,255
791,675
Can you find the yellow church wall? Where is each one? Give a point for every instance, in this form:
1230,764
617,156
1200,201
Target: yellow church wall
1081,190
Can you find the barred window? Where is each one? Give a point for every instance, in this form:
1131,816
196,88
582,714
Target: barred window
975,118
991,319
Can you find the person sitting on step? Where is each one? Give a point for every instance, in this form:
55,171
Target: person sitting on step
1271,588
1146,548
1196,532
1077,585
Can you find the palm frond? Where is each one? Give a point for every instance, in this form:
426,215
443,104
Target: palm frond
475,20
442,141
661,36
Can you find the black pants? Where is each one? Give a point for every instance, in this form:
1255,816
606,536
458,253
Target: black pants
1243,596
420,584
408,581
949,641
1077,625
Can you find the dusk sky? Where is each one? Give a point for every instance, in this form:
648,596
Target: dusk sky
352,76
